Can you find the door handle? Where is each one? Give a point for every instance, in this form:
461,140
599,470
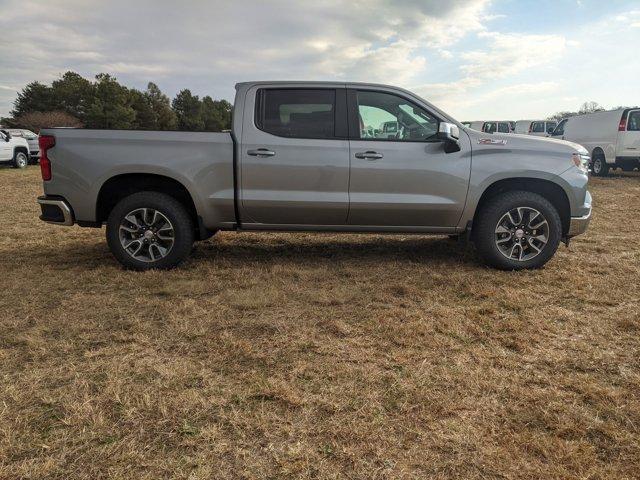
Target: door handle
369,155
261,152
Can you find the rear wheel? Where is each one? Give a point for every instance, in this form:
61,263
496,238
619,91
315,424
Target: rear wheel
20,160
599,165
518,230
150,230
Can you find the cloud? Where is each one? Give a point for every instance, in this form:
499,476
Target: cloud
208,46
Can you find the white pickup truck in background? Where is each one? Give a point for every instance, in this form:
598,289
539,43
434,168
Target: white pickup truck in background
612,138
13,150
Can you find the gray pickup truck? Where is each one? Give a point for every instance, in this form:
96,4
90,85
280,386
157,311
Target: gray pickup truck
305,156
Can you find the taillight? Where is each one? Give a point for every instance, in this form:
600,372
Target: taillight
46,142
622,127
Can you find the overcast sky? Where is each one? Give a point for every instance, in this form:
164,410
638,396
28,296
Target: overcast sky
476,59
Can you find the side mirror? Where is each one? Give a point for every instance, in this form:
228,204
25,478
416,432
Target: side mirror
449,134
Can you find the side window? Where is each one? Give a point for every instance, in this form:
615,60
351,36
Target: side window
489,127
551,126
503,127
537,127
297,113
560,128
383,116
634,121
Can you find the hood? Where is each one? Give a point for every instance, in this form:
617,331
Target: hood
524,141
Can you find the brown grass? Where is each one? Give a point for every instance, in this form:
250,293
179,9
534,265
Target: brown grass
318,356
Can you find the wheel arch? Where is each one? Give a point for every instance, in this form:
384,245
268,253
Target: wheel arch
545,188
120,186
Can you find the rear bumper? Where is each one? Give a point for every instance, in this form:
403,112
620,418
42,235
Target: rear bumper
55,210
579,225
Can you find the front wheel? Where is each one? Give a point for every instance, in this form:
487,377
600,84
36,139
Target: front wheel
518,230
20,160
150,230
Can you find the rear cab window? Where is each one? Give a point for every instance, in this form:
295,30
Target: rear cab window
297,113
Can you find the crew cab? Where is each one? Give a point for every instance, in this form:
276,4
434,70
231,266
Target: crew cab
301,157
13,150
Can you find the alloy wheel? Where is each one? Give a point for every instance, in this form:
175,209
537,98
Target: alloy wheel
521,234
146,234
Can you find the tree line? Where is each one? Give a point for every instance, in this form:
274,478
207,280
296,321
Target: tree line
74,101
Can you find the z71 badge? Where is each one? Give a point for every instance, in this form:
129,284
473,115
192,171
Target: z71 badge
492,141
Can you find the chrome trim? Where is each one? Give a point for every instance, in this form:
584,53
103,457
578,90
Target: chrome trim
579,225
63,206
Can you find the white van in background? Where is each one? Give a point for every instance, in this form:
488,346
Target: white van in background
539,128
612,138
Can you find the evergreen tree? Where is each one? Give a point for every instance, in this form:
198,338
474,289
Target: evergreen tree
188,109
145,118
73,94
216,114
165,117
111,105
35,97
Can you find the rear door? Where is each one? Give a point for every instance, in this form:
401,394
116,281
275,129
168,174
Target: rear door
629,140
407,180
294,156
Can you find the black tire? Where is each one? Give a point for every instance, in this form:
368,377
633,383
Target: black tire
599,165
183,235
492,212
20,159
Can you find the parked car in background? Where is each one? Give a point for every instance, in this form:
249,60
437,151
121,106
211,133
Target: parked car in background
13,150
612,137
32,140
491,126
298,160
538,128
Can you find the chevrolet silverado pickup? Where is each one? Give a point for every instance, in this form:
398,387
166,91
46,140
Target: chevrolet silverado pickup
305,156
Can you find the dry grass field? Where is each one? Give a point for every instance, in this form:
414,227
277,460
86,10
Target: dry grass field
314,356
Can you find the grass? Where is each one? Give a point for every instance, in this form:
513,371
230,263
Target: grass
314,356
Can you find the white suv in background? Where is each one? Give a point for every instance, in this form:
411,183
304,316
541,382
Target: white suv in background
14,150
31,138
612,138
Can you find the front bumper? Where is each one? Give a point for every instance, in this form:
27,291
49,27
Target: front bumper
579,225
55,210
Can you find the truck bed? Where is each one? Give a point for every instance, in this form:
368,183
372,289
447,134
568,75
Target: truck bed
83,160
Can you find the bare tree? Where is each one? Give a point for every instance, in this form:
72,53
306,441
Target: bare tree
37,120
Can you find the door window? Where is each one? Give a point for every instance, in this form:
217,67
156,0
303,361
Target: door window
382,116
551,126
297,113
634,121
537,127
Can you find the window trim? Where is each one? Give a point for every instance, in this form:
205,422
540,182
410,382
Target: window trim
353,123
340,130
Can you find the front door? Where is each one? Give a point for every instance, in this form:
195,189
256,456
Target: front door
295,157
406,179
6,148
631,138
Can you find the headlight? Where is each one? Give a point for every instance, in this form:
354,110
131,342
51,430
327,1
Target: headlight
581,161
